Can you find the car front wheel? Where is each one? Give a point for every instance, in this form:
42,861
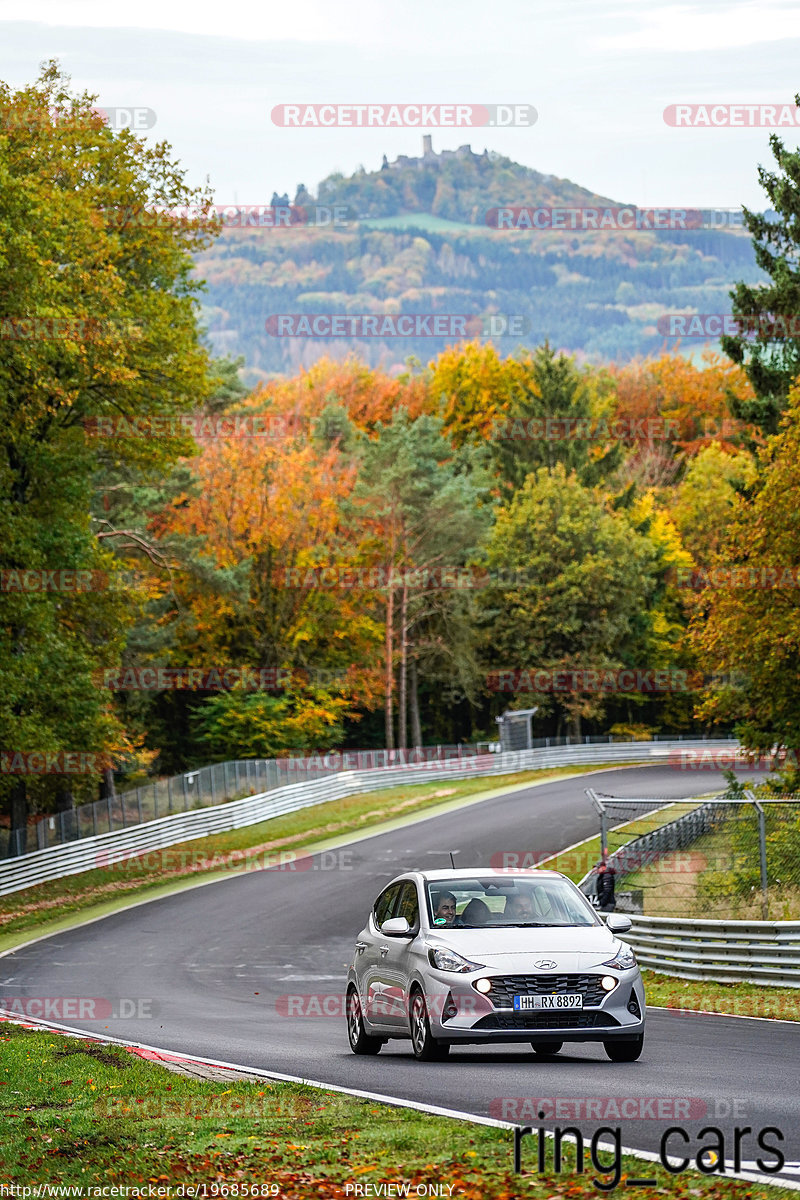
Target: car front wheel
426,1048
627,1051
360,1040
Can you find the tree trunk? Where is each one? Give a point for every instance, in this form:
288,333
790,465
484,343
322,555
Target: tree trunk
416,725
18,833
576,726
108,790
402,702
65,800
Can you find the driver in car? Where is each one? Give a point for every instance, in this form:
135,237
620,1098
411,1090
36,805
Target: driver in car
444,908
519,907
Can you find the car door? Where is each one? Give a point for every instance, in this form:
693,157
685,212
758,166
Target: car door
369,959
395,965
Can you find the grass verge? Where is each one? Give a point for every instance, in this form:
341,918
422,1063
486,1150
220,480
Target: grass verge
714,878
77,1113
737,999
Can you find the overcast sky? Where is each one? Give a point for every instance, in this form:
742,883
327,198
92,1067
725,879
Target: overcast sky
599,74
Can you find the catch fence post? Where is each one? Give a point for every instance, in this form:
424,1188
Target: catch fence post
762,853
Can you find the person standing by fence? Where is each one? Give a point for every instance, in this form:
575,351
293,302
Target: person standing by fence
604,887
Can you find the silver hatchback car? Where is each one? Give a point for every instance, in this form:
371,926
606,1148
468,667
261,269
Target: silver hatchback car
456,957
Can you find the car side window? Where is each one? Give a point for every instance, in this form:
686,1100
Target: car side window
385,904
408,905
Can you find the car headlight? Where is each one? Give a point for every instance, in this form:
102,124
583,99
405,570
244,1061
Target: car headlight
448,960
623,960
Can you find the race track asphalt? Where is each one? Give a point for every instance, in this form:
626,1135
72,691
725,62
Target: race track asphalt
214,966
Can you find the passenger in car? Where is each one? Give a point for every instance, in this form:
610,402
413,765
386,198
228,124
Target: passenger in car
476,913
444,908
519,907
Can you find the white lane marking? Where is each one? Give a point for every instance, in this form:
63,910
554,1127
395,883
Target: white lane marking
299,978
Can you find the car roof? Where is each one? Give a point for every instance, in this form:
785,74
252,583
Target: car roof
485,872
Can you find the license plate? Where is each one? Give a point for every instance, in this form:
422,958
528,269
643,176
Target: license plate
569,1000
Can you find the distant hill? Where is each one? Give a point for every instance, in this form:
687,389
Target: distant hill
416,241
458,185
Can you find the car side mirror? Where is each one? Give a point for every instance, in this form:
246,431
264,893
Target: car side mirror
396,927
617,923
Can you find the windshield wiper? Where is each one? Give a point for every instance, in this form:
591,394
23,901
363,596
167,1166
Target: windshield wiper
531,925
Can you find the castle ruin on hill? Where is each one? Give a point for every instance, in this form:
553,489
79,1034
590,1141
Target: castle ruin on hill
429,156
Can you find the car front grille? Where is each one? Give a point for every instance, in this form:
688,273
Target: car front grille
519,1021
506,987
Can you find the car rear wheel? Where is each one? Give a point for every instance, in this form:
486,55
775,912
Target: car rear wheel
627,1051
360,1040
426,1048
545,1049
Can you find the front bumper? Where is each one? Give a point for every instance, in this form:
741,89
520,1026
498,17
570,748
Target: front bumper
459,1013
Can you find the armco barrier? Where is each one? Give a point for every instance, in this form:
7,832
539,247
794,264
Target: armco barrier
764,952
89,852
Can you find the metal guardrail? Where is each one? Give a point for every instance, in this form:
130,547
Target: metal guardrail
204,787
102,850
765,952
723,951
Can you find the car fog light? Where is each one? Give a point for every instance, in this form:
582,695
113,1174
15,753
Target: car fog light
608,983
483,985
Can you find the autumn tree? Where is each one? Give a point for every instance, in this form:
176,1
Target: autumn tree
748,623
422,516
97,322
587,579
767,345
555,417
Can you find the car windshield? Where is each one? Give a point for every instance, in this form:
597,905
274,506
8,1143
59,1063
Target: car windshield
501,901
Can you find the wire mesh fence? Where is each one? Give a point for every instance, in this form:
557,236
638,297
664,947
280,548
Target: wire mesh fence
204,787
734,856
220,782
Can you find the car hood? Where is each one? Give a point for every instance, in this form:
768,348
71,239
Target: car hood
571,948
